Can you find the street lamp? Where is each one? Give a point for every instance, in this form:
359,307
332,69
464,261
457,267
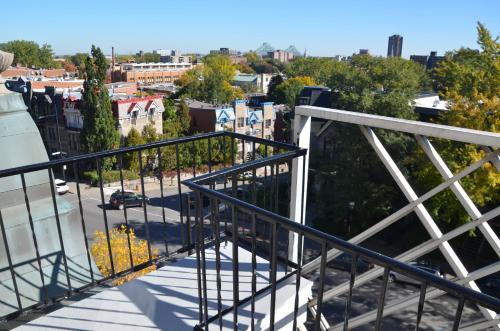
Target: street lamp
350,206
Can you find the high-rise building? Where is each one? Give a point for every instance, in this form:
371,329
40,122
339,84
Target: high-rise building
363,51
395,46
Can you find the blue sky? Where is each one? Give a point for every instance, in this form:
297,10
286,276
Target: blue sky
322,27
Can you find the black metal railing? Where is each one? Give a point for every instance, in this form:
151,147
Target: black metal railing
243,200
257,214
183,161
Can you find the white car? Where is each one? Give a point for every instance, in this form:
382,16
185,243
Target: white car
61,186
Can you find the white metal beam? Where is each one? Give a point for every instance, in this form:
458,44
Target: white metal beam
379,226
459,192
422,213
301,137
481,138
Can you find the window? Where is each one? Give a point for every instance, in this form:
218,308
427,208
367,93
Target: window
268,123
241,122
133,117
151,114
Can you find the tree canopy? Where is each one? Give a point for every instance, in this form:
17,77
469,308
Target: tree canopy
212,83
29,53
469,80
99,127
348,166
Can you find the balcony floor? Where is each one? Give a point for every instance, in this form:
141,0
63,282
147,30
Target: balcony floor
167,299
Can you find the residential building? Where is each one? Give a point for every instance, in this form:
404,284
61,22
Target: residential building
153,73
31,73
122,88
318,96
429,105
62,132
433,60
137,112
395,46
363,51
253,82
428,61
281,56
256,121
226,51
420,59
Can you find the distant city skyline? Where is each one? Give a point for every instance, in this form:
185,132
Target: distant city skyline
328,28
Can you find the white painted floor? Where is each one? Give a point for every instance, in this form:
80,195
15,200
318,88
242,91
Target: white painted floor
167,299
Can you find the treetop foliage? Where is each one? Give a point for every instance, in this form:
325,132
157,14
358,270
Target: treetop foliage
212,82
30,54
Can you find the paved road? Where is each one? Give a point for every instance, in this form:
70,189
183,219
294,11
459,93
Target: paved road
159,232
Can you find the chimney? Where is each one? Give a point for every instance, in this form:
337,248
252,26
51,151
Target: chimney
112,63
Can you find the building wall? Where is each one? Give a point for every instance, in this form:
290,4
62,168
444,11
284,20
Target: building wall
240,110
126,125
151,77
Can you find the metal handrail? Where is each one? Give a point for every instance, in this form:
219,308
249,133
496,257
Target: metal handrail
125,150
340,244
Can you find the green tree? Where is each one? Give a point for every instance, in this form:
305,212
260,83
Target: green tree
319,69
288,91
469,80
169,114
79,60
131,160
99,127
375,85
183,117
29,53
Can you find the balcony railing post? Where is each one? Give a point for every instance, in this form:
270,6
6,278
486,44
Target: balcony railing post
214,208
179,192
146,223
234,219
11,267
35,240
103,204
188,223
59,231
125,216
82,219
201,245
301,137
162,198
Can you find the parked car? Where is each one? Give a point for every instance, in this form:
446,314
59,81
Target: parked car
121,199
432,269
61,186
344,262
490,285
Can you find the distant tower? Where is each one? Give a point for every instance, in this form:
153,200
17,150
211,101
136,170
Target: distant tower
305,52
395,46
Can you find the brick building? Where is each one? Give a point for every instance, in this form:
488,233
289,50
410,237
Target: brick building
153,73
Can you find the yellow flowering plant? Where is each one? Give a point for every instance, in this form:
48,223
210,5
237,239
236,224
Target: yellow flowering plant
118,238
